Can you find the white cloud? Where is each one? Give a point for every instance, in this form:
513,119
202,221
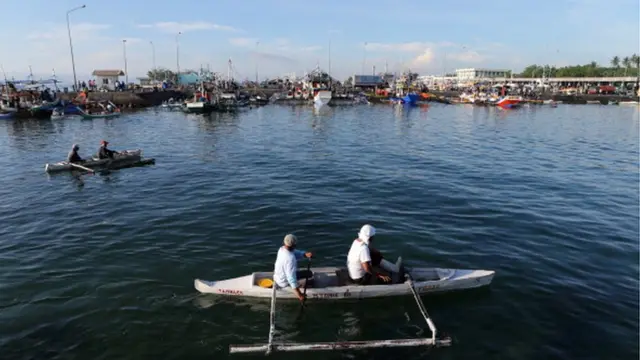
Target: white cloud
423,59
175,27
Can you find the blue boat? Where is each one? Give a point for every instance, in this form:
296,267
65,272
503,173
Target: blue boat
6,116
409,99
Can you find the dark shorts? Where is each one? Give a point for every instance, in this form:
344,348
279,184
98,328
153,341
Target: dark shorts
365,280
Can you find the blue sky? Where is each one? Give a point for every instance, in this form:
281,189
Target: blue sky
293,36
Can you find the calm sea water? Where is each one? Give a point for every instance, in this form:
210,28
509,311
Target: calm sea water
102,267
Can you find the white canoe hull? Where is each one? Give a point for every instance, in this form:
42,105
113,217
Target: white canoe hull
124,157
330,284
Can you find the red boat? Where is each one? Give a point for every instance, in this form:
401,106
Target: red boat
509,102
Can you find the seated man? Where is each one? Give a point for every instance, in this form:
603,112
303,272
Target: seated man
286,267
103,152
73,156
362,259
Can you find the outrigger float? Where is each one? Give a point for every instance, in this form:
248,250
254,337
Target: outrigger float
331,283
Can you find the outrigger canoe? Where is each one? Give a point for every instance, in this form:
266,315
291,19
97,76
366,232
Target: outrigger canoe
331,283
122,159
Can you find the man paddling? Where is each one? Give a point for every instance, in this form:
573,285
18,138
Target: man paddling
363,258
73,156
103,152
286,267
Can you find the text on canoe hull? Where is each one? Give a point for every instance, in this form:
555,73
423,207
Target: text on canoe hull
230,292
427,288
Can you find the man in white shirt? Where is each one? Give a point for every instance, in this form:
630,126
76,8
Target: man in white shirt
286,267
359,260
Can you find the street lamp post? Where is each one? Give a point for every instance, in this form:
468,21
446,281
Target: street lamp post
126,72
73,63
153,52
178,57
257,43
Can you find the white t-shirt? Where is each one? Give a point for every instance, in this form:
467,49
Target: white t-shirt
284,271
358,254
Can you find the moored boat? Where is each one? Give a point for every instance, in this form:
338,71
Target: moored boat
122,159
6,116
331,283
322,97
104,115
509,102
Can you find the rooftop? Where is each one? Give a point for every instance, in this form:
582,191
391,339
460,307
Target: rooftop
107,73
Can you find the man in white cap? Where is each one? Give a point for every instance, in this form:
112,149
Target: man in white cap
286,267
362,258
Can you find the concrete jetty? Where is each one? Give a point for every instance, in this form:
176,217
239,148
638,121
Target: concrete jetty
130,98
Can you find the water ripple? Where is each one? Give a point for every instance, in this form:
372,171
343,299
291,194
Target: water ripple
102,267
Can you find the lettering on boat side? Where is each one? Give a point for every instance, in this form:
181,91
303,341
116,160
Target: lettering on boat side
230,292
325,296
347,293
428,287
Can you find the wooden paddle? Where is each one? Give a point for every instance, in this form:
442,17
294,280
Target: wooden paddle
82,167
306,281
304,292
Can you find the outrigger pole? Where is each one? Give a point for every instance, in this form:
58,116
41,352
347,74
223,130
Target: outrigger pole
342,345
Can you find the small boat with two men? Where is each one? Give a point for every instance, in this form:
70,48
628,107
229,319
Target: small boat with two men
366,275
105,159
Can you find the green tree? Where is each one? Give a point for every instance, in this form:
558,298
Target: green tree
635,60
615,61
626,62
161,74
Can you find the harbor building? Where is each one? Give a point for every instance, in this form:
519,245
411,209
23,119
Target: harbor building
107,78
472,74
368,81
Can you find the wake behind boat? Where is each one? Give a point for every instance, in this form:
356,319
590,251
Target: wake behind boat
331,283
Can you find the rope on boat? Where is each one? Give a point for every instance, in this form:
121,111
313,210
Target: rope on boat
422,308
272,318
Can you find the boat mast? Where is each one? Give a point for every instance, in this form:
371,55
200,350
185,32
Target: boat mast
229,71
330,78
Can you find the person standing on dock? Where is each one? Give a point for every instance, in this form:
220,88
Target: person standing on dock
73,156
286,266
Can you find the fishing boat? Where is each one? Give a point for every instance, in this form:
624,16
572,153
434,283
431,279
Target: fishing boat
102,115
6,116
509,102
171,104
108,112
58,114
331,283
125,158
322,97
227,102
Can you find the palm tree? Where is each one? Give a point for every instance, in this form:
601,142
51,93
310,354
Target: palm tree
635,59
615,62
626,62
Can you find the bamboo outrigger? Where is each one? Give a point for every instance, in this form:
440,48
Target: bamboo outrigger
272,346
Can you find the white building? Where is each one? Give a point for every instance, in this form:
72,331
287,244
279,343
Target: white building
464,75
107,78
